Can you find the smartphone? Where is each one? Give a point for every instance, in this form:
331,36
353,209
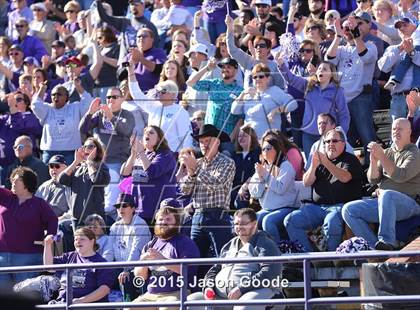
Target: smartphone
314,60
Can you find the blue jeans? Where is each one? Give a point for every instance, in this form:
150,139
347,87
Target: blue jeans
398,107
214,29
309,217
308,140
112,190
383,210
399,71
272,223
68,155
8,259
361,124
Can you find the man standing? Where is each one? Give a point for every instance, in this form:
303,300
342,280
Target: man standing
113,127
335,178
209,182
31,45
169,244
220,93
250,242
397,171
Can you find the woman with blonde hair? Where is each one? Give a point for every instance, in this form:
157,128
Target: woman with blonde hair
323,94
385,18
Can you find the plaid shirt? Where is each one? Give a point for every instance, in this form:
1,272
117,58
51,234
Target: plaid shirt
212,183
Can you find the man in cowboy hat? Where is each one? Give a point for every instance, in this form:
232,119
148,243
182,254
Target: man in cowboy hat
209,182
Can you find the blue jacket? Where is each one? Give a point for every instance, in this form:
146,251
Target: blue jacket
328,100
32,46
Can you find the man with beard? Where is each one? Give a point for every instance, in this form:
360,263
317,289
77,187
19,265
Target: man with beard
335,178
169,244
316,9
397,172
230,281
220,93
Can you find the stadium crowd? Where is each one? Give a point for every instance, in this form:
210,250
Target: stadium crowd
162,129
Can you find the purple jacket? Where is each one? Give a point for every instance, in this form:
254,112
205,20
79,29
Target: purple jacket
32,46
328,100
11,127
34,215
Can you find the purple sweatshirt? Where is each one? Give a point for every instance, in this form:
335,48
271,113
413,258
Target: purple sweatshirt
11,127
328,100
32,46
21,225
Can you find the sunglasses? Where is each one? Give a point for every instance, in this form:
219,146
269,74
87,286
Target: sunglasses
54,166
112,97
19,147
140,36
260,45
123,205
161,91
37,10
89,146
19,99
267,148
332,141
13,53
306,50
312,28
259,76
57,94
70,11
72,65
20,26
361,1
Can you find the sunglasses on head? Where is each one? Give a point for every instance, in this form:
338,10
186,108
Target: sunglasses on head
267,148
89,146
72,65
306,50
123,205
54,166
260,45
112,97
259,76
332,141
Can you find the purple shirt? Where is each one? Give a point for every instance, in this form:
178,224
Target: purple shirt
148,79
192,2
179,246
22,224
32,46
85,281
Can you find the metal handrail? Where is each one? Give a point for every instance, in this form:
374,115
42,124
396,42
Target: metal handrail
305,258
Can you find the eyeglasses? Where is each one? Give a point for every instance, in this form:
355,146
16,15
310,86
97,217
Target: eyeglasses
123,205
54,166
306,50
72,65
259,76
312,28
161,91
57,94
89,146
70,11
361,1
267,148
112,97
242,224
20,26
143,36
19,147
260,45
332,141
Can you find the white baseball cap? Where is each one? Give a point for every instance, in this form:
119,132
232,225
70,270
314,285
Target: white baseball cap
266,2
198,48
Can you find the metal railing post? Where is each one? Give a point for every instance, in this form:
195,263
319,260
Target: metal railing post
69,288
184,287
307,283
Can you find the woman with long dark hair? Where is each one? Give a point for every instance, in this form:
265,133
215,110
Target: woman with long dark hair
151,168
274,185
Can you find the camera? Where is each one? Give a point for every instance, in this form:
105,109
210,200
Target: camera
126,64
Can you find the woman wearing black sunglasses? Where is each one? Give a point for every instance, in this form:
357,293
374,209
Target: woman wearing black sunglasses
273,184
